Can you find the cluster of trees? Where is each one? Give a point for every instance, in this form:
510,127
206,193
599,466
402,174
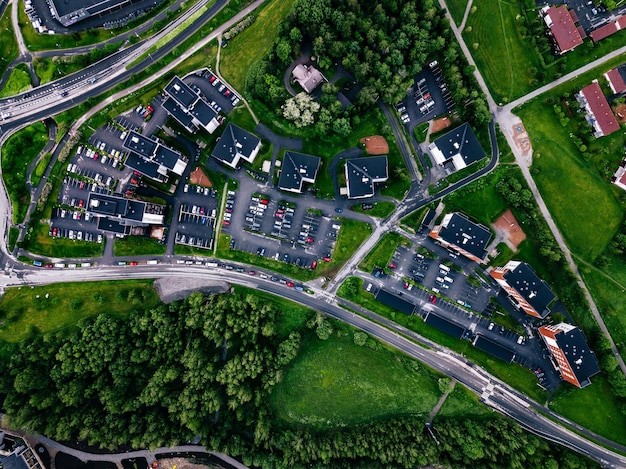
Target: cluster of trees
206,366
383,44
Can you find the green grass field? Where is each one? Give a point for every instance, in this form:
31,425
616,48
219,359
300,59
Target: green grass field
457,9
44,244
594,407
382,252
134,246
336,383
24,310
379,209
252,43
580,201
18,81
8,43
502,57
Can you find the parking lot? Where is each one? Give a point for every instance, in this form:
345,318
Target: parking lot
195,224
427,99
279,230
210,87
74,224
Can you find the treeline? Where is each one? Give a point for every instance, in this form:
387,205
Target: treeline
206,366
383,44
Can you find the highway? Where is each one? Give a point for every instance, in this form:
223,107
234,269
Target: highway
492,392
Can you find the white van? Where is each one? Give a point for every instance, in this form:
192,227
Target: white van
448,279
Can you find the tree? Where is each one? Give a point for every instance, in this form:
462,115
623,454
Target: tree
301,109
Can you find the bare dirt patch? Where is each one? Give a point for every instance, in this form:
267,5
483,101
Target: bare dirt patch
199,178
508,226
440,124
375,145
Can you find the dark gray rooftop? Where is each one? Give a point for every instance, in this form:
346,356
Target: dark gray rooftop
463,141
112,226
389,299
531,288
94,7
174,110
166,157
296,167
149,168
234,141
362,174
492,348
467,235
203,112
140,144
107,205
444,325
179,91
579,356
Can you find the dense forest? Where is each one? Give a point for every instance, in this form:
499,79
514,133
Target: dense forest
205,366
383,44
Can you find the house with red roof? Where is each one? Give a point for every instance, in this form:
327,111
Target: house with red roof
598,111
562,25
619,178
617,78
608,29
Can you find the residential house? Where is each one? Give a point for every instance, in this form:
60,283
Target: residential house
235,145
296,169
457,233
362,175
457,149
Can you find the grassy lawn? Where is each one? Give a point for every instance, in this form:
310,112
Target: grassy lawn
252,43
136,246
379,209
40,169
351,235
336,383
19,150
462,403
611,302
580,201
381,255
520,378
457,9
13,235
504,59
8,43
414,219
18,81
606,418
24,310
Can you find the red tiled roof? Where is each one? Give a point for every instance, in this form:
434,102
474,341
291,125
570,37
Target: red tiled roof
616,80
572,13
582,32
600,107
604,31
563,28
622,180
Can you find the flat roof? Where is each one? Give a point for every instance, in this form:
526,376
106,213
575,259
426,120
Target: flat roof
296,169
107,205
533,289
563,29
363,173
180,92
444,325
147,167
460,142
235,143
140,144
112,226
602,112
166,157
389,299
457,229
136,209
203,112
492,348
93,7
174,110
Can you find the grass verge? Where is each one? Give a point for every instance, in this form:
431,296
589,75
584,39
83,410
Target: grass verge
136,246
19,80
57,306
381,255
8,43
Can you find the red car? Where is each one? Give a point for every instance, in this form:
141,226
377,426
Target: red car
134,263
264,201
48,266
81,203
150,108
290,284
134,181
227,92
432,299
136,173
212,79
313,265
54,232
392,265
327,258
252,272
96,155
310,240
225,223
406,285
82,184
